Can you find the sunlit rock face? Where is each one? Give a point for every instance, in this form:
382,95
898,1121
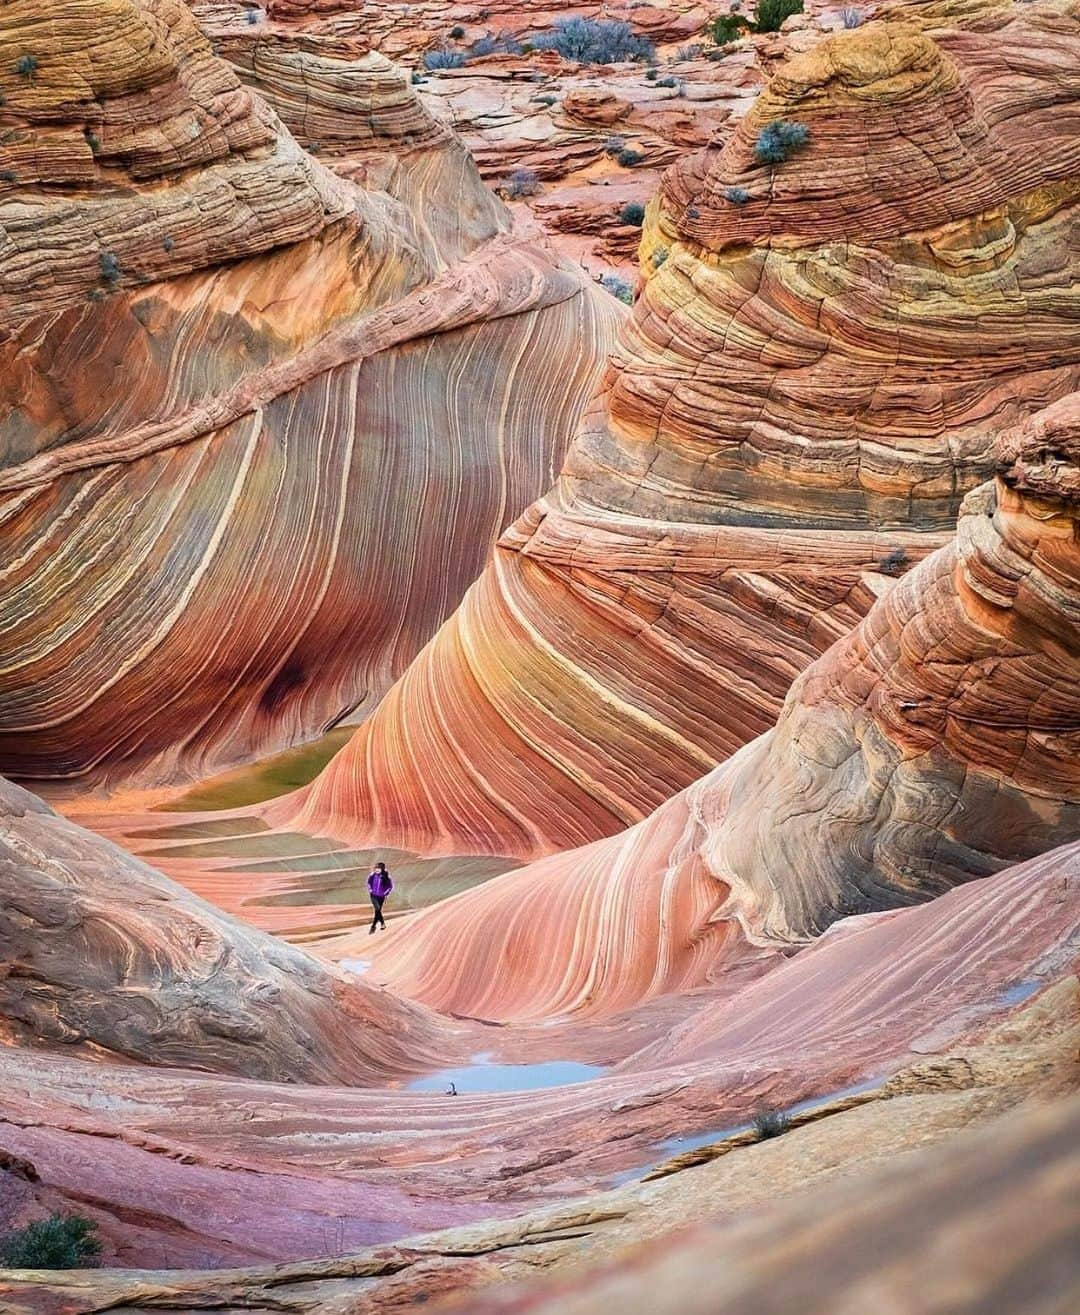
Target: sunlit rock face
104,957
260,422
806,390
937,743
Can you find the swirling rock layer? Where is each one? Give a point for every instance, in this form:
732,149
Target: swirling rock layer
804,393
103,956
938,742
235,501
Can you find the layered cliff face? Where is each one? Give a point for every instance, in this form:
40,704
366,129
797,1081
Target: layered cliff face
261,422
804,393
936,743
104,957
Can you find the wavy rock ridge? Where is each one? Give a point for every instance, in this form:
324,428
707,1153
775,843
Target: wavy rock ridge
223,486
796,408
938,742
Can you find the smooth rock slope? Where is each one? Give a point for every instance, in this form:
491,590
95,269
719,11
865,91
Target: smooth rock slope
938,742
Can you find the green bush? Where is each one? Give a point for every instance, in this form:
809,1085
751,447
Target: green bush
26,66
632,213
628,157
727,27
771,13
778,139
659,256
736,195
58,1242
457,33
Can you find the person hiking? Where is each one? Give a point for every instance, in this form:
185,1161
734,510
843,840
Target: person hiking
379,885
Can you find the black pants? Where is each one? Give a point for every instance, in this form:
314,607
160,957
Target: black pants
377,903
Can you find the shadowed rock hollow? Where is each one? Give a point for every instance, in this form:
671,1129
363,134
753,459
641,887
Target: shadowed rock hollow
805,391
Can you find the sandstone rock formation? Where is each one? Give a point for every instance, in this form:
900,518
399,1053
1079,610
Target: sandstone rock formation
968,1002
805,391
102,956
259,423
938,742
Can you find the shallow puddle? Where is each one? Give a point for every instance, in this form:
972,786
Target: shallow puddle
1019,992
508,1077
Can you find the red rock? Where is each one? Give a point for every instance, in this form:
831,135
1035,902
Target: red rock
255,375
784,417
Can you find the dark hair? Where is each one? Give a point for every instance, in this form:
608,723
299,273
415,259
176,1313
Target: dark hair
381,865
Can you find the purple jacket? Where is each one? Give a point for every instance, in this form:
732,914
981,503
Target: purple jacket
380,885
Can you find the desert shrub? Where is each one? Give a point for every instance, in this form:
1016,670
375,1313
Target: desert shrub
7,175
614,145
632,213
668,82
659,256
545,100
894,562
736,195
778,139
771,1123
59,1242
252,16
489,45
168,243
727,27
628,157
457,33
595,41
417,78
110,267
692,212
851,17
651,75
522,182
771,13
26,66
437,59
694,50
618,288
